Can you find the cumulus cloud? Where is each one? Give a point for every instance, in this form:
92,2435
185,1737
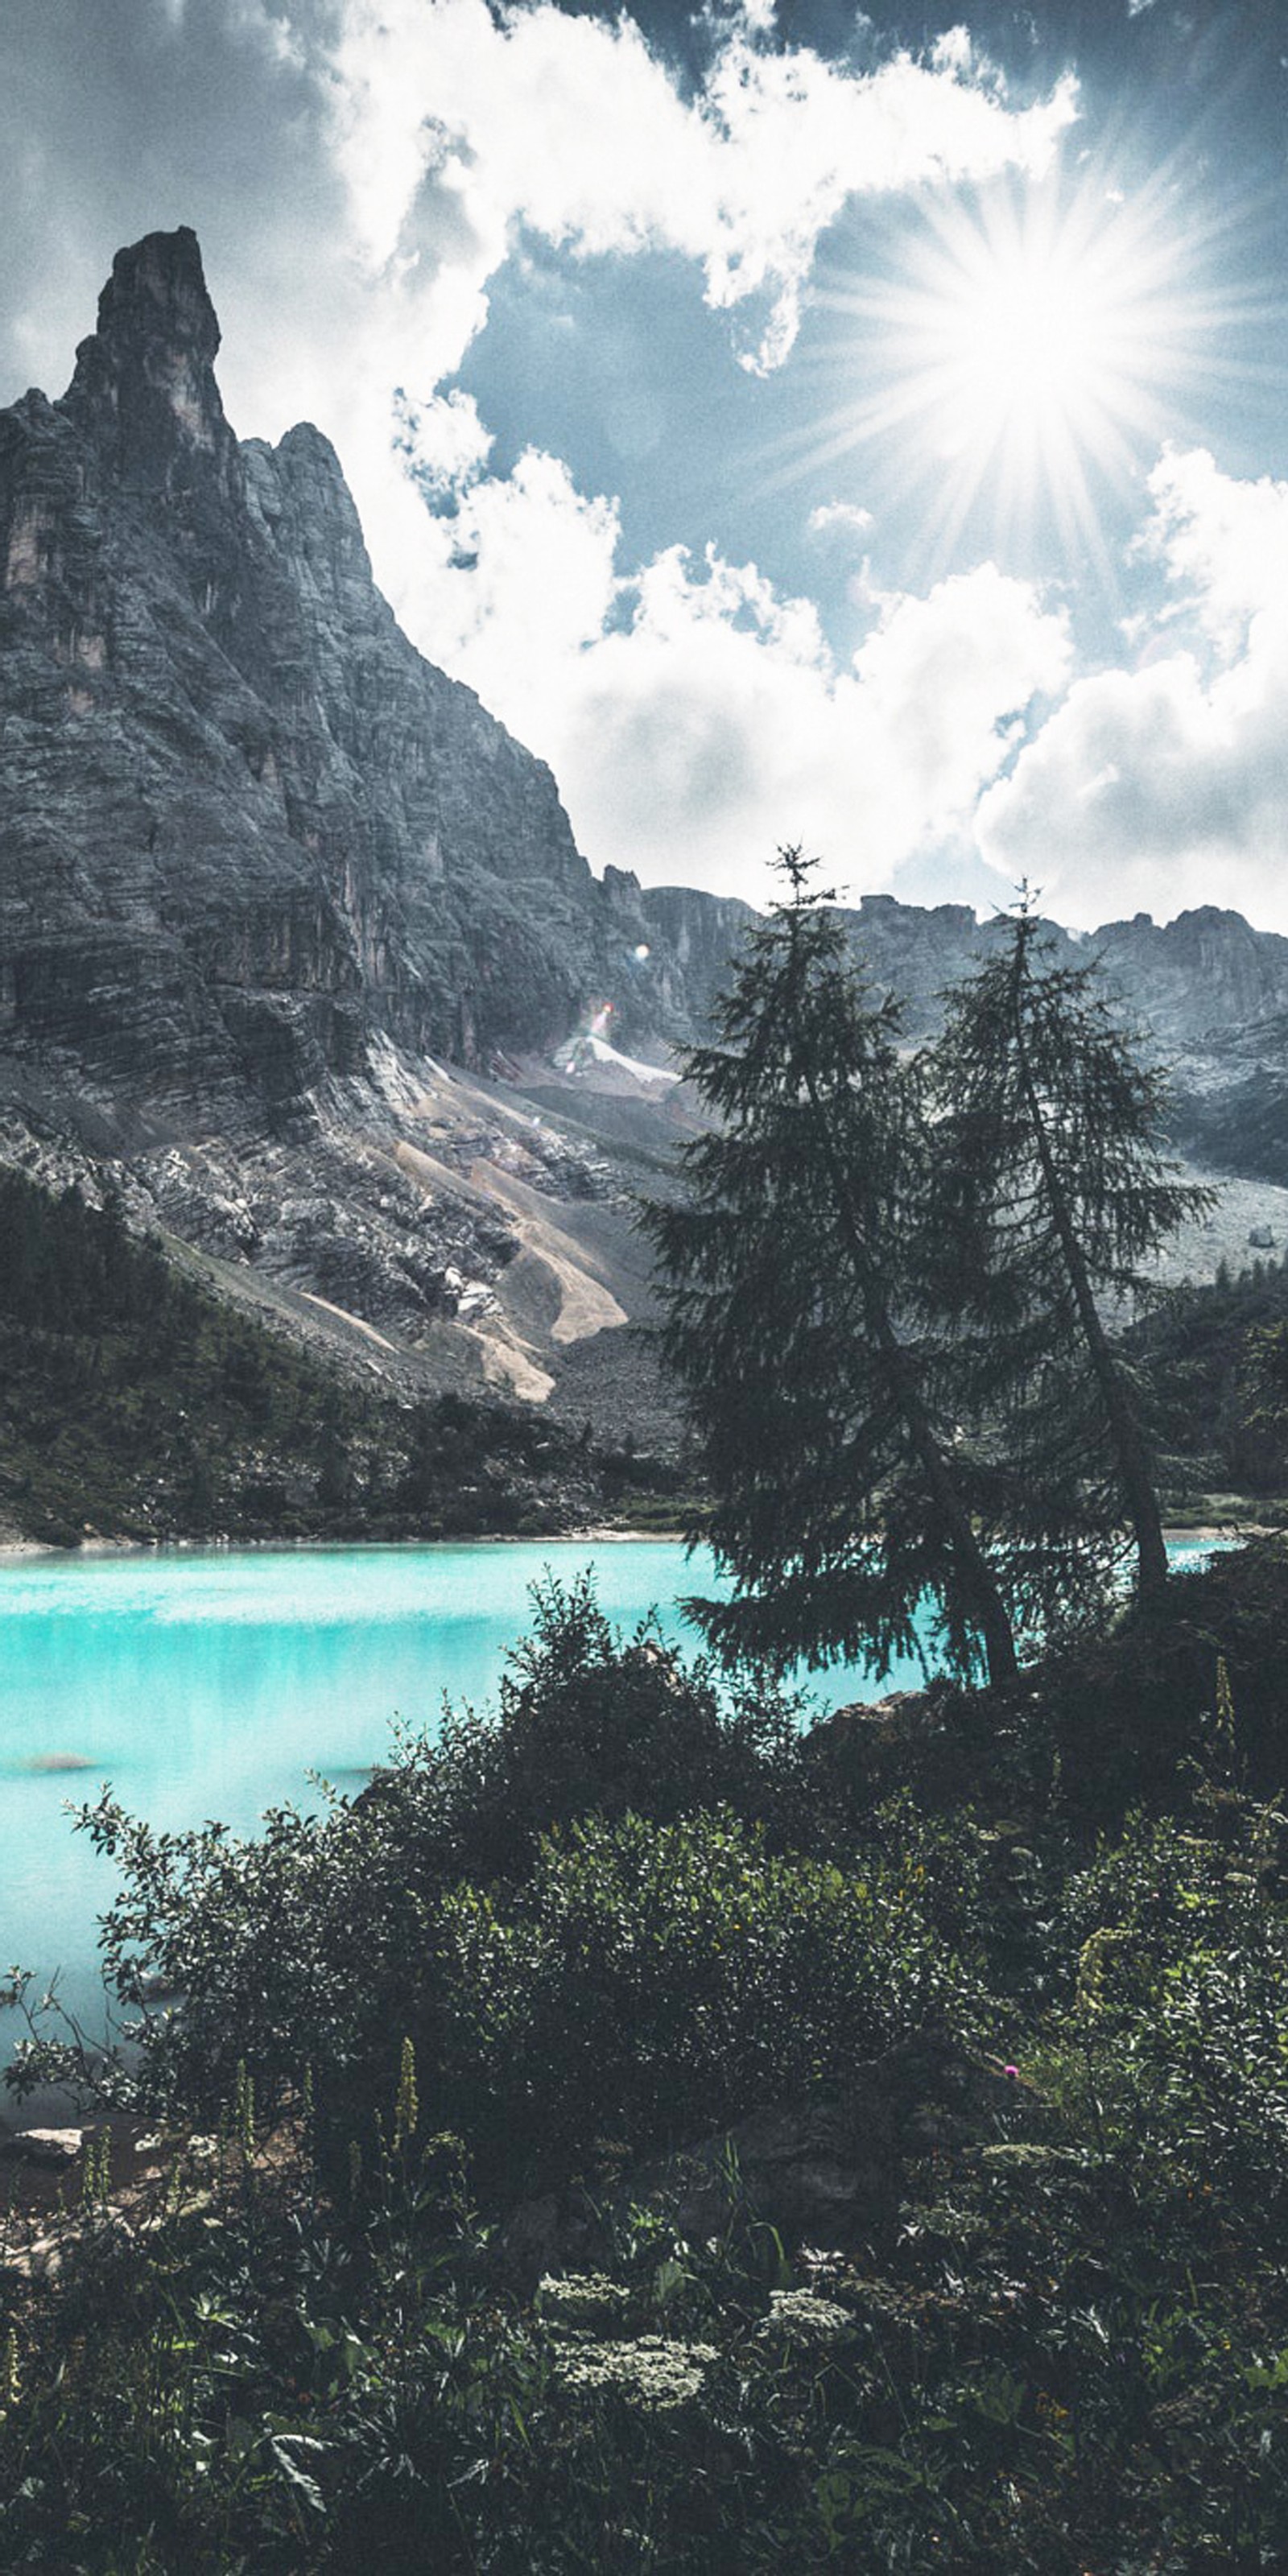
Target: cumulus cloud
696,718
523,580
1150,788
359,172
454,124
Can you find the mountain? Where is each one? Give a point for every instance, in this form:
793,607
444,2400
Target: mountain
297,950
263,869
246,823
1206,991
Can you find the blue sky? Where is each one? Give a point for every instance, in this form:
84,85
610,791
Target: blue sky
866,430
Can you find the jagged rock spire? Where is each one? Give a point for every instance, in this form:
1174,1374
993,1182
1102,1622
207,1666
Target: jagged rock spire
144,386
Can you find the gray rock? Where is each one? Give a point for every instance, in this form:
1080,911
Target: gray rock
825,2173
245,821
43,2146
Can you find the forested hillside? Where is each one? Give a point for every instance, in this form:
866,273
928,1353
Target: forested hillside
134,1404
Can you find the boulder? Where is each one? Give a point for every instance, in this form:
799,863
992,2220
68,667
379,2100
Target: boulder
52,2147
827,2173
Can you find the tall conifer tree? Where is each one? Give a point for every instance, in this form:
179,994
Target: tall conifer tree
816,1390
1052,1198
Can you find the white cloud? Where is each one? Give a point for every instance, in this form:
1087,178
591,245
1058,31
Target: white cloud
452,126
953,51
523,581
1223,544
444,441
849,518
695,718
1156,788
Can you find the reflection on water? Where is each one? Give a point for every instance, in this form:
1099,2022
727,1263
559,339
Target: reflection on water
207,1686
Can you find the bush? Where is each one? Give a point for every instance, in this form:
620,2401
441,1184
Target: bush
1181,1966
590,1724
322,1940
656,1982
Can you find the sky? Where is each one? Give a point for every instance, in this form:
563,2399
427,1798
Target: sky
862,431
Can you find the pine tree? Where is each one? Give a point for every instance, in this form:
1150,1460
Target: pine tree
789,1320
1053,1197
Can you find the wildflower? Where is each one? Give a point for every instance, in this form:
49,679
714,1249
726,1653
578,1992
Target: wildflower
822,2263
581,2299
802,2317
652,2373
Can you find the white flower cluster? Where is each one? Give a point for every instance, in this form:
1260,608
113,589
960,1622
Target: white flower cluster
652,2372
581,2299
800,2316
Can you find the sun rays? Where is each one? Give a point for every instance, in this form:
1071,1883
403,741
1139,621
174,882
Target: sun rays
1019,355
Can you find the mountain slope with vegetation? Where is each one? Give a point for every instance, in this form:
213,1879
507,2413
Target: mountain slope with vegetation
645,2130
134,1404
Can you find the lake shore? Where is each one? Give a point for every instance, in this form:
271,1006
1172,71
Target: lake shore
20,1551
594,1534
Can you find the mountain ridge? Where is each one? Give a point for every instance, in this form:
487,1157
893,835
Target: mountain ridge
294,935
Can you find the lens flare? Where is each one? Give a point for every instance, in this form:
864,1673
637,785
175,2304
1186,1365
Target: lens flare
1023,352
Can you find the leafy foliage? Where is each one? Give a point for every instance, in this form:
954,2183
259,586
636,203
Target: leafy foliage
1210,1358
707,1976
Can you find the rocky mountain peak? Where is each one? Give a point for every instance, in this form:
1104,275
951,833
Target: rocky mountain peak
144,388
248,835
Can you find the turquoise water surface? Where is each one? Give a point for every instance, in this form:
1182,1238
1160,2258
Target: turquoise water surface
212,1685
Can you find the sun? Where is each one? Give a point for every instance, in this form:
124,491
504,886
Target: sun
1030,349
1028,339
1022,351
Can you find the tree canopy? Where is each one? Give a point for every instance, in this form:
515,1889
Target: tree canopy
793,1321
884,1293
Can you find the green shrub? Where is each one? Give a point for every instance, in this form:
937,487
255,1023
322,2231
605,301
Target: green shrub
657,1981
1178,1956
317,1941
590,1723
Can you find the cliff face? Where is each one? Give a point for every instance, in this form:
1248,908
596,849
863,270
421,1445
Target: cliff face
248,833
1207,992
245,823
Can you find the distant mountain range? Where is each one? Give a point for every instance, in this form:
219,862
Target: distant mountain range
294,937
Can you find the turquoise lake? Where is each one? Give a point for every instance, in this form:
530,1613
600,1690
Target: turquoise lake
213,1685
